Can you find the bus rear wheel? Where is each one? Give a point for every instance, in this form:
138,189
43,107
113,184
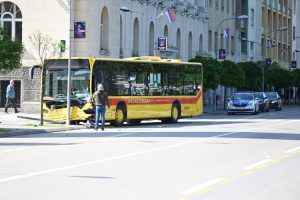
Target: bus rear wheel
175,112
120,116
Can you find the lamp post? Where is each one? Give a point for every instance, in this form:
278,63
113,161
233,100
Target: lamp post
154,24
254,42
241,17
126,9
69,67
284,28
290,43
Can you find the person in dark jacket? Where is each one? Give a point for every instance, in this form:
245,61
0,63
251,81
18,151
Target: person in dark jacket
10,96
100,99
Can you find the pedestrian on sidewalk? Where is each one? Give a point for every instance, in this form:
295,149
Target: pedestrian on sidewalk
100,99
10,96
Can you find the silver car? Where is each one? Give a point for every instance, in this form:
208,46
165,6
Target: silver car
243,102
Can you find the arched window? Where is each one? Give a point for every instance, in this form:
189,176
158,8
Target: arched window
166,31
136,38
190,46
104,31
151,39
11,20
178,43
201,43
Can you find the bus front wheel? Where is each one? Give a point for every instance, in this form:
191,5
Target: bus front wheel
120,116
175,113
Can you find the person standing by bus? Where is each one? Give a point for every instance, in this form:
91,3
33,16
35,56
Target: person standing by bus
10,96
100,99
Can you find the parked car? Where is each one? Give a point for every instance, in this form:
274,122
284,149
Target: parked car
242,102
263,101
274,100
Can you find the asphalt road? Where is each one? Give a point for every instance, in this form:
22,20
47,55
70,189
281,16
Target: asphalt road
213,156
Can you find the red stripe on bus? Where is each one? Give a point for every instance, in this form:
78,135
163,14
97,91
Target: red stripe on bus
134,100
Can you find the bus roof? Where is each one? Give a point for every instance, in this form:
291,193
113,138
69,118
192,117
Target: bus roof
142,59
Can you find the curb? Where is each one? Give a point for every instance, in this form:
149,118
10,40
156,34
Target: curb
38,119
19,131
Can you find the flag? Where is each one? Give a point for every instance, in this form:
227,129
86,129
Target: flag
227,33
269,44
170,15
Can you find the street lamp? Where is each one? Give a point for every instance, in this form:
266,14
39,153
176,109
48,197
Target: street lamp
254,42
289,43
283,28
154,23
69,67
126,9
241,17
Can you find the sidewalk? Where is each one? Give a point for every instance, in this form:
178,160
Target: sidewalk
209,109
12,124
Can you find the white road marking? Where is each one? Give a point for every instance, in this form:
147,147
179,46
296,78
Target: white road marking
201,186
292,150
83,164
257,164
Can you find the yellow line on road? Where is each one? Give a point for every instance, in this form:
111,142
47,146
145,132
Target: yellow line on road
246,173
275,161
204,191
226,181
183,198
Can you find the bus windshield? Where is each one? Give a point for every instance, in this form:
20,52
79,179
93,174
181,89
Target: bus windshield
56,79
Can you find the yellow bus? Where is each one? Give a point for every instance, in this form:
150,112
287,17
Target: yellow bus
139,88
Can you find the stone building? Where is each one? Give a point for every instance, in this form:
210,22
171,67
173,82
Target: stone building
109,32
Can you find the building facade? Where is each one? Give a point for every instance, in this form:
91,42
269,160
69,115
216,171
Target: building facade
222,32
271,31
296,33
108,32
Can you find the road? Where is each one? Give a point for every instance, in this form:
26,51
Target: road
211,157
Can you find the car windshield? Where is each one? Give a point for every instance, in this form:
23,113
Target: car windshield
242,96
259,95
271,95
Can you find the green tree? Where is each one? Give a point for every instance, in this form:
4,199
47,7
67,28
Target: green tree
253,74
279,77
11,53
296,74
211,72
232,75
